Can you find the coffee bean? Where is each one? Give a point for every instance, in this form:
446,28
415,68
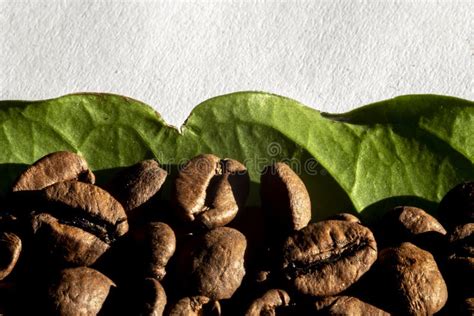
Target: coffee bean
154,298
412,224
160,245
10,249
195,306
326,258
215,267
410,281
78,291
285,199
346,305
210,191
55,167
457,206
461,260
269,303
137,184
81,223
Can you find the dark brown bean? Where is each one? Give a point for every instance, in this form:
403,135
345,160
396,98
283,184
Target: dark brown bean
345,217
285,199
210,191
10,249
326,258
55,167
78,291
268,303
411,281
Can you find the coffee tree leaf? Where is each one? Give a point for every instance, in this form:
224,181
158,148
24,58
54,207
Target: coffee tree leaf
406,150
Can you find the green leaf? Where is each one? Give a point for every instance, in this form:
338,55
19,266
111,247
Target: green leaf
410,149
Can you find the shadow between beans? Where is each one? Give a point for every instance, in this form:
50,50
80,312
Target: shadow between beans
9,173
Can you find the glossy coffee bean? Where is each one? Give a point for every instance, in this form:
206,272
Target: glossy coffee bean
215,267
285,199
137,184
209,191
411,281
78,291
269,302
10,249
55,167
326,258
346,305
195,306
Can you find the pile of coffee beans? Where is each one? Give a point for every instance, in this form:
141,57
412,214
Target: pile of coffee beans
69,246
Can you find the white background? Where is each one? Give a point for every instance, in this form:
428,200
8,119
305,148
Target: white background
331,55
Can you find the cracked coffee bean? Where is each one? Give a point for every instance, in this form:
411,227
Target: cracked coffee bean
285,199
160,245
209,191
326,258
78,291
10,249
457,206
215,267
411,281
55,167
81,222
137,184
269,303
195,306
346,305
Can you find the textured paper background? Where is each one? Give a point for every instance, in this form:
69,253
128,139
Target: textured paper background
332,55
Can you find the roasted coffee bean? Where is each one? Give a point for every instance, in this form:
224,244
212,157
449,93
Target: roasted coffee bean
345,217
210,191
346,305
55,167
81,223
461,260
457,206
414,221
410,281
78,291
154,298
215,268
10,249
412,224
137,184
466,308
326,258
269,303
160,245
195,306
285,199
